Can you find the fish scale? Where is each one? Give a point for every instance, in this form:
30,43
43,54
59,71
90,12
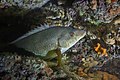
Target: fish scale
40,42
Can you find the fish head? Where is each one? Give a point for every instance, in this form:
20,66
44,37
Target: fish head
71,38
77,34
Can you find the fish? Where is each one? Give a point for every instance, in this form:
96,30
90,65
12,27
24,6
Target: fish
45,38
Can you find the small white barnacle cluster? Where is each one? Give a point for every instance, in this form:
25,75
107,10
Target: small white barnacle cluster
91,35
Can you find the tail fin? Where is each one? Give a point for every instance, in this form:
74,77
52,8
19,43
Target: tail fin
13,49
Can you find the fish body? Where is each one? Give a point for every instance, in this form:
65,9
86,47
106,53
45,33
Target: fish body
40,42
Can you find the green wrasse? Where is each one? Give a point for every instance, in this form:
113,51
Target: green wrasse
40,41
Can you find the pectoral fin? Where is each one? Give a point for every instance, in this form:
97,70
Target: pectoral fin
56,53
51,55
59,56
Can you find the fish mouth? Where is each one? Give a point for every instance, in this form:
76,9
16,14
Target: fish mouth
84,32
81,33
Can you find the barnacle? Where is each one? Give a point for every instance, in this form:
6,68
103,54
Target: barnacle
101,50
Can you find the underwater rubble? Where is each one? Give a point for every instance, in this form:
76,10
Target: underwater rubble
29,4
97,11
95,57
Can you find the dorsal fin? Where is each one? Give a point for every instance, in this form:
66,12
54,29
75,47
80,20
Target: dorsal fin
35,30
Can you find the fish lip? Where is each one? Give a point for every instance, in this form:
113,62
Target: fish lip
83,31
83,34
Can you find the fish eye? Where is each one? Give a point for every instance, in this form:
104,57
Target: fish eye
72,34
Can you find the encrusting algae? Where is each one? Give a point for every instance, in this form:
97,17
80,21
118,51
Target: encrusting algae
47,42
